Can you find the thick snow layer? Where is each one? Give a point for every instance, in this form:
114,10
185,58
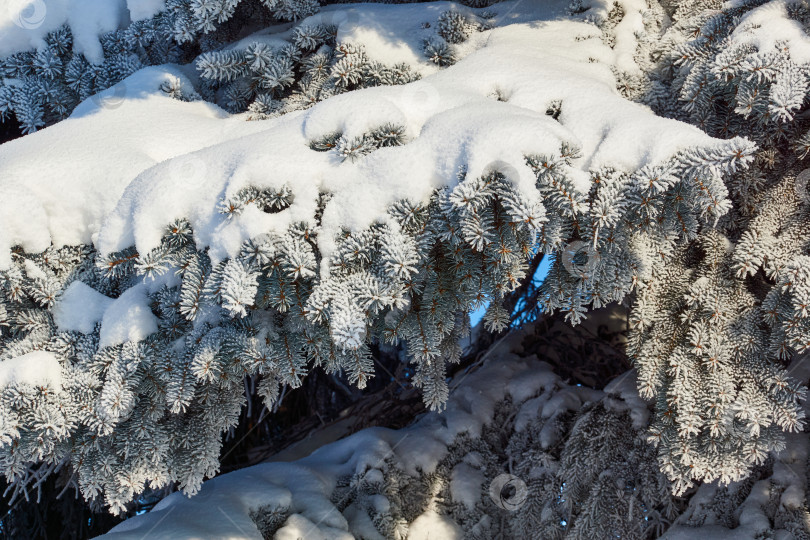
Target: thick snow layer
128,318
393,36
390,36
144,9
144,159
25,23
35,368
112,137
297,527
59,183
465,484
80,308
453,120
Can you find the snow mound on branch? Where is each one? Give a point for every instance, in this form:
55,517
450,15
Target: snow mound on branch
394,36
182,162
25,23
453,121
143,9
35,368
59,183
128,318
431,525
390,36
50,177
80,308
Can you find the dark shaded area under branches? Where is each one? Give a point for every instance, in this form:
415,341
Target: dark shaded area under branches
9,129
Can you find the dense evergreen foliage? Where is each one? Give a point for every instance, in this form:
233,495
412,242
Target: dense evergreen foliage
709,250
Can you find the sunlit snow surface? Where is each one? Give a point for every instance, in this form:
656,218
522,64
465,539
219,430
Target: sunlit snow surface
130,161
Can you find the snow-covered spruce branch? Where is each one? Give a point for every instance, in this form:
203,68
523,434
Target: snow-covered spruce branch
309,239
49,62
715,327
519,453
737,69
264,80
271,312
